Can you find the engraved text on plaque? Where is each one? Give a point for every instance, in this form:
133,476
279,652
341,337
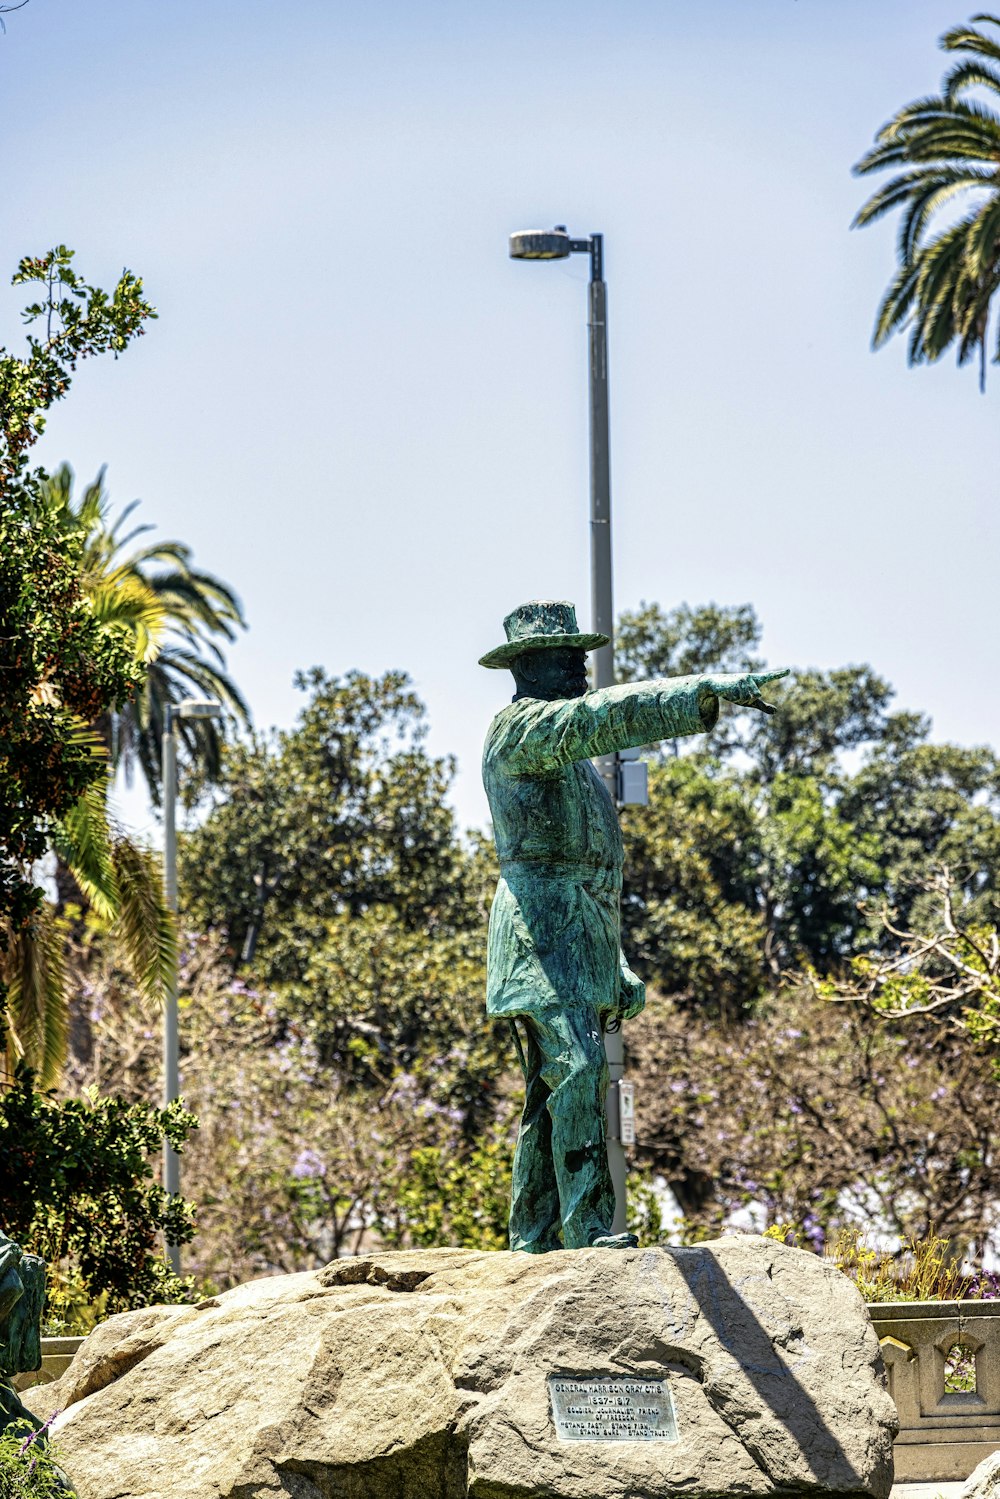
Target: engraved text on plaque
612,1408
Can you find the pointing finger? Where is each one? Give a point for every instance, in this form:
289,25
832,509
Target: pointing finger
770,676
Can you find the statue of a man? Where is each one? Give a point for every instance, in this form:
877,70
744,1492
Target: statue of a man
22,1296
554,958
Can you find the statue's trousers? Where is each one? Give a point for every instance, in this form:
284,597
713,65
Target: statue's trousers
561,1176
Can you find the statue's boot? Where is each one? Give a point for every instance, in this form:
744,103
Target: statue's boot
615,1241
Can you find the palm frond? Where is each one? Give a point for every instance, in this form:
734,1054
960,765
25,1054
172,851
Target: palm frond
947,185
946,146
144,921
967,39
123,600
35,972
162,551
983,240
890,195
896,305
966,75
82,840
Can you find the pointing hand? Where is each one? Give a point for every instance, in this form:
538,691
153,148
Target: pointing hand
744,691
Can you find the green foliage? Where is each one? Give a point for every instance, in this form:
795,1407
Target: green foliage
380,1001
947,147
174,614
685,641
35,970
76,1187
29,1466
71,1310
295,1160
925,1270
688,911
344,812
444,1199
60,668
816,1114
767,849
123,884
78,321
62,665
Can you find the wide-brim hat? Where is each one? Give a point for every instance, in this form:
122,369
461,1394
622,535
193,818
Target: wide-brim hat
542,624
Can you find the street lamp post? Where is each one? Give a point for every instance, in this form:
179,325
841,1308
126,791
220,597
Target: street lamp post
190,708
556,244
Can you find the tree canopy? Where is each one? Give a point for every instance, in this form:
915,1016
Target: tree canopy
773,847
63,665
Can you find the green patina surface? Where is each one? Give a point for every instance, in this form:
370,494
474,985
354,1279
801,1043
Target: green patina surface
22,1296
554,959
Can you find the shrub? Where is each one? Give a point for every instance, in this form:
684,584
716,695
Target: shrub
28,1467
76,1187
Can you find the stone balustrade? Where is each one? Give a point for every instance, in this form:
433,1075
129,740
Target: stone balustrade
943,1363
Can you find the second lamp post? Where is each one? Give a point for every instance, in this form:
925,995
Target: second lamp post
190,708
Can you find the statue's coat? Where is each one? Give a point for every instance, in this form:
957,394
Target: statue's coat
554,935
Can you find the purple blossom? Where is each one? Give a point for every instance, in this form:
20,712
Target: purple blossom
308,1163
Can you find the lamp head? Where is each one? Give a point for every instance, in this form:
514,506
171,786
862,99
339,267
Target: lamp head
541,244
198,707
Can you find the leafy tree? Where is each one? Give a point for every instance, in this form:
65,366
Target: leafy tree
62,666
773,845
946,973
79,321
165,615
925,806
947,147
685,641
817,1114
690,916
76,1187
382,1000
174,614
344,812
651,642
298,1159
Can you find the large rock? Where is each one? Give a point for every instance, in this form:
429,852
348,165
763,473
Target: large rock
984,1481
425,1375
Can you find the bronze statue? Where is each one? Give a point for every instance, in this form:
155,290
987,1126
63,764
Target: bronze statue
554,958
22,1296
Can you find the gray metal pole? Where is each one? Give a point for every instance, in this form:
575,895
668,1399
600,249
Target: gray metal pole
602,614
171,1065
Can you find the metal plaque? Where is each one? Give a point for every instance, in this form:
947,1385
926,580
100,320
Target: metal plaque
612,1408
626,1112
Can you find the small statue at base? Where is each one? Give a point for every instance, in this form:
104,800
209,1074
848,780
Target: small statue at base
22,1297
554,959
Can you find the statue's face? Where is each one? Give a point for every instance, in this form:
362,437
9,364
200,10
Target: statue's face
556,673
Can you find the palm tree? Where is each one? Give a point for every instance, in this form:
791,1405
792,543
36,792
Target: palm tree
169,614
949,149
172,611
123,886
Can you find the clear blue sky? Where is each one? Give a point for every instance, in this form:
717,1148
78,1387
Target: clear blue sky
371,422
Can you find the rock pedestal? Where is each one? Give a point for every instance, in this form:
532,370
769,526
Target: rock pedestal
736,1367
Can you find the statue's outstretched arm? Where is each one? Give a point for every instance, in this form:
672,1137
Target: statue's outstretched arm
545,736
